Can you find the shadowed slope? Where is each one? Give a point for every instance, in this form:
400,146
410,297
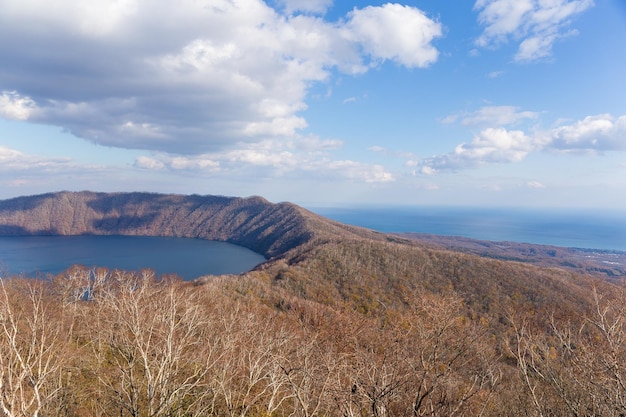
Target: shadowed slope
267,228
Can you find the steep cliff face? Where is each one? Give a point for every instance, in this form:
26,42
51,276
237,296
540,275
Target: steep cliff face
267,228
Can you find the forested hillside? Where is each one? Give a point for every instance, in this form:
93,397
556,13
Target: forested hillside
269,229
341,321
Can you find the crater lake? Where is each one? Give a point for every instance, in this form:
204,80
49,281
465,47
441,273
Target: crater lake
34,256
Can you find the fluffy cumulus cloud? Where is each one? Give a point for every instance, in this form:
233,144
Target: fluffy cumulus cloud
395,32
593,134
194,76
534,24
489,146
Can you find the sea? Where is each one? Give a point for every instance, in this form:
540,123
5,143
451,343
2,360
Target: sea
40,256
588,229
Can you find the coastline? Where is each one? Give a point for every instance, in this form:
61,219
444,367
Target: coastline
579,229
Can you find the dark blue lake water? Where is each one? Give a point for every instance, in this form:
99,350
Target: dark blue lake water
568,228
187,258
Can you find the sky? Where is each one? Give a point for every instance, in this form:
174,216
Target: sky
494,103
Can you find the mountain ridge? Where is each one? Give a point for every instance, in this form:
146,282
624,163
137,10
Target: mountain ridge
271,229
356,319
317,259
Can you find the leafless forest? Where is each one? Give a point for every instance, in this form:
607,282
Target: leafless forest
338,322
103,343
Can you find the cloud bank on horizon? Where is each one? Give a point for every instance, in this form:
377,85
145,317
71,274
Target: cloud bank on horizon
223,89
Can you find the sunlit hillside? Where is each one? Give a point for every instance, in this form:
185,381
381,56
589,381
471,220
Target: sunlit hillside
340,321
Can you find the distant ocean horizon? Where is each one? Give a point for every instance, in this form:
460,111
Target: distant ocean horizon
567,228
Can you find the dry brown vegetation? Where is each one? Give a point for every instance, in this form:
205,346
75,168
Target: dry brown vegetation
341,322
100,343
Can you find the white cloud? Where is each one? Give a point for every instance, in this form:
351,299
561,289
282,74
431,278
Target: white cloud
146,162
34,174
8,155
279,126
400,33
501,18
378,149
409,158
492,116
178,163
352,170
428,170
16,107
307,157
535,184
14,161
146,130
594,133
489,146
192,76
498,145
535,24
535,47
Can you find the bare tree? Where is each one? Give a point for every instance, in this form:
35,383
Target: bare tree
310,366
31,347
522,347
574,365
247,376
452,367
152,345
378,371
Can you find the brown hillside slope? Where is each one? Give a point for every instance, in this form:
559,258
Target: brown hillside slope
267,228
312,257
373,276
340,321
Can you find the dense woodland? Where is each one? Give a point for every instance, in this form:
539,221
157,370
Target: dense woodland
344,323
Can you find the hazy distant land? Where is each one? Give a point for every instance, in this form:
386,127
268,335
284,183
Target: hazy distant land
594,261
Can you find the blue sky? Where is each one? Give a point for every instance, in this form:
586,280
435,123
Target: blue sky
322,103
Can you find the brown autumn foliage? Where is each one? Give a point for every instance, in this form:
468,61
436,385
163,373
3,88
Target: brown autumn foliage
99,343
340,321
